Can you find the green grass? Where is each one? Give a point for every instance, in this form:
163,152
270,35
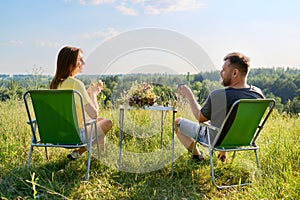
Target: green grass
59,178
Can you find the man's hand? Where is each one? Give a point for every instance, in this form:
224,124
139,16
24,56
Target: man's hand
184,90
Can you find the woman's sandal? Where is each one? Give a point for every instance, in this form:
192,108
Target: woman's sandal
222,157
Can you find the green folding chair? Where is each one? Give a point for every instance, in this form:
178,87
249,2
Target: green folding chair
56,124
239,131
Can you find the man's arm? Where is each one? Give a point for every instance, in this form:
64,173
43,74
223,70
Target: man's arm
195,107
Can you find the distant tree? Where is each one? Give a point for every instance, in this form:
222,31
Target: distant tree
297,80
286,89
12,91
278,105
282,84
200,90
295,105
212,76
106,96
198,77
4,95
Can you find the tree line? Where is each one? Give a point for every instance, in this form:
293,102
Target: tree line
282,84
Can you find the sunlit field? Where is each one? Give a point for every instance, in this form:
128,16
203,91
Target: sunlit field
59,178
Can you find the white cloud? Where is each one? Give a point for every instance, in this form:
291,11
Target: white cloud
167,6
126,10
100,34
95,2
151,7
16,43
12,43
47,44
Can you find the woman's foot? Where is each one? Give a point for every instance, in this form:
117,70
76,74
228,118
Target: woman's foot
74,155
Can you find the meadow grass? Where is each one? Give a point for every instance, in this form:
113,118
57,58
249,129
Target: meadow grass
58,178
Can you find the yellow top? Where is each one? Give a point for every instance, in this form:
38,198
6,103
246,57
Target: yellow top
72,83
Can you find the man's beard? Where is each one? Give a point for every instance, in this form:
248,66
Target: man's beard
225,82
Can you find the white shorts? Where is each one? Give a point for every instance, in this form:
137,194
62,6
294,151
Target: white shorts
191,129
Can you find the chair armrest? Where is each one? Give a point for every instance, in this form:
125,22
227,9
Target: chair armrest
208,125
91,121
31,122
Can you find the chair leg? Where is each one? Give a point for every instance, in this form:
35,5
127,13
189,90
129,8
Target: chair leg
233,156
173,141
88,165
121,138
97,141
29,156
89,157
227,186
256,157
211,153
161,128
46,151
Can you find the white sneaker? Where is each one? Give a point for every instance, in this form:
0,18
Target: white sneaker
74,155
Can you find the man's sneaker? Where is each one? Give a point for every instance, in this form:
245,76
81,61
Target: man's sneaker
198,158
74,155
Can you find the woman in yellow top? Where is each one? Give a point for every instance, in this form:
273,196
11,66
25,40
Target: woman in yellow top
69,63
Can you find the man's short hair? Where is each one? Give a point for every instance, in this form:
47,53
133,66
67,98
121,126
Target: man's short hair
239,61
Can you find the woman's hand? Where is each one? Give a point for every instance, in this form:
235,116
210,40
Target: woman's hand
95,88
100,85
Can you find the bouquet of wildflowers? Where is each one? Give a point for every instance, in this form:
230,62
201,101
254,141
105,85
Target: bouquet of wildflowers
145,94
140,95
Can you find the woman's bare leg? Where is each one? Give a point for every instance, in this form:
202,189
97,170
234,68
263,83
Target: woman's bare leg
103,126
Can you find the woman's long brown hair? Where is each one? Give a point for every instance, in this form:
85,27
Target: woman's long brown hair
66,63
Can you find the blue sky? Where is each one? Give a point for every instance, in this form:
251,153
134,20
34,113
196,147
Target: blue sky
33,31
